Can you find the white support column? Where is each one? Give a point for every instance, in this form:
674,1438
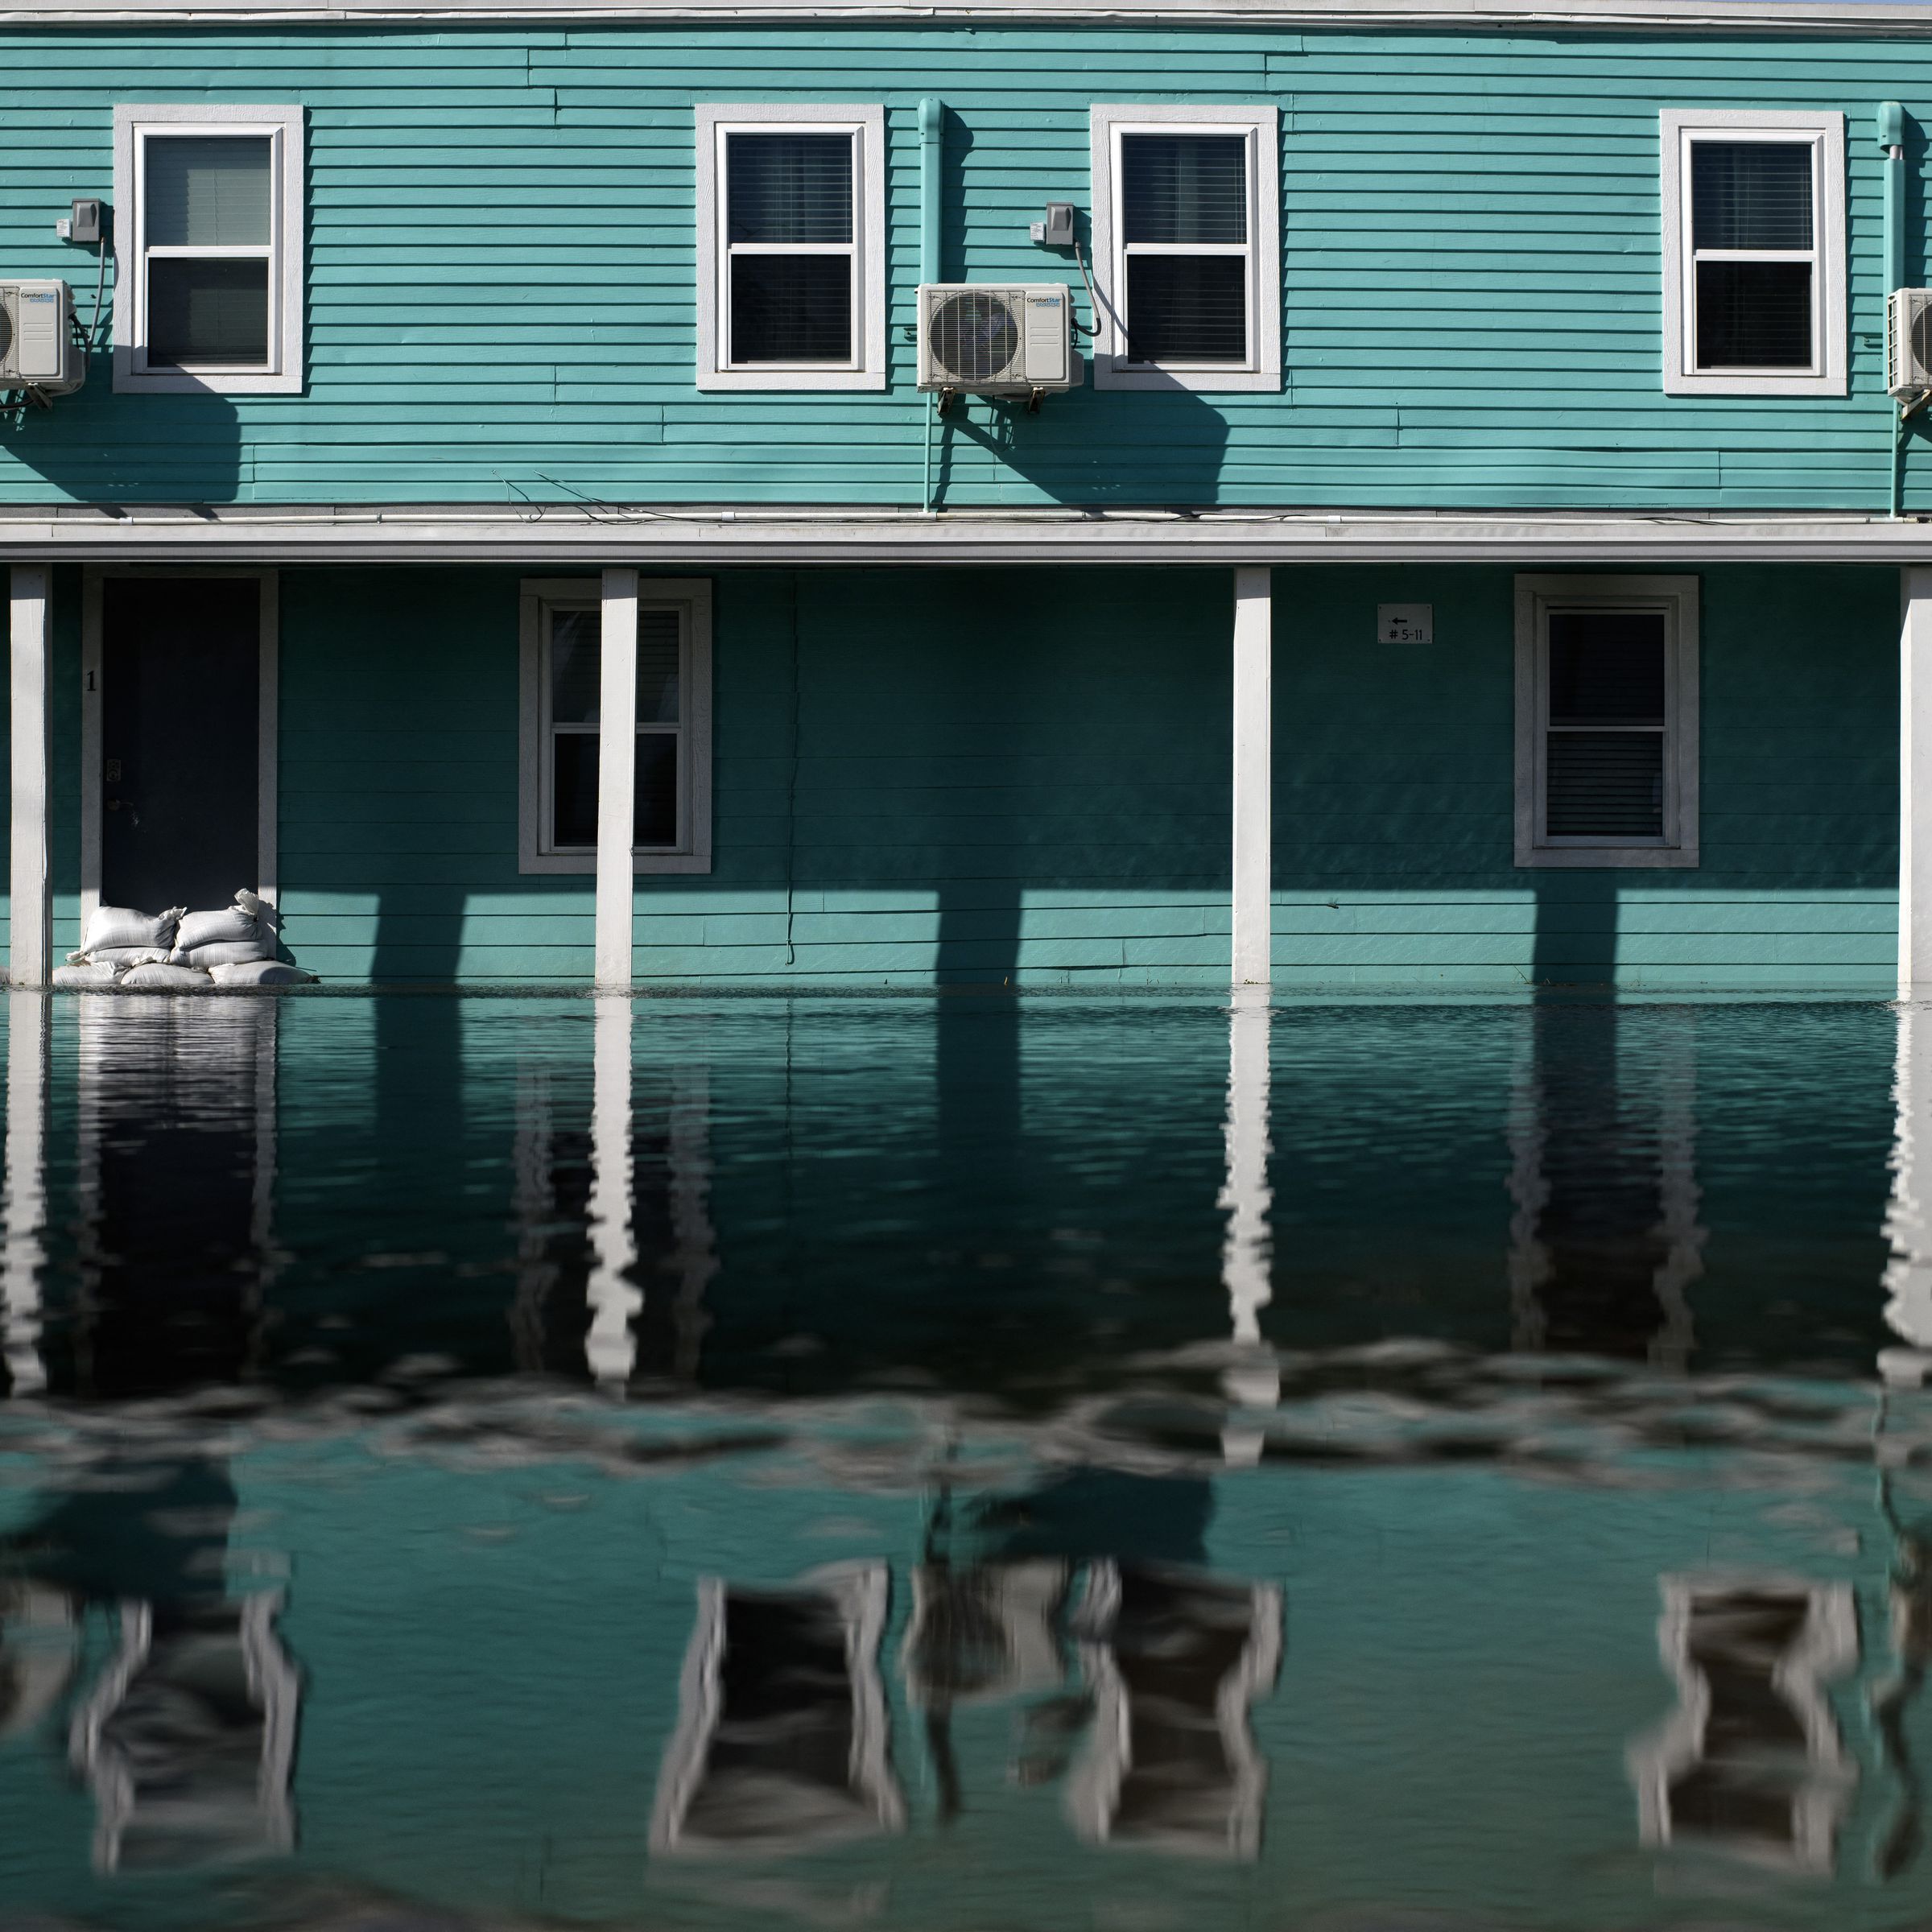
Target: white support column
29,959
617,770
1915,786
1253,775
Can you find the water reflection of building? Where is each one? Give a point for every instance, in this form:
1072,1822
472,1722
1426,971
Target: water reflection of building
185,1737
615,1246
1751,1761
1605,1239
174,1183
782,1733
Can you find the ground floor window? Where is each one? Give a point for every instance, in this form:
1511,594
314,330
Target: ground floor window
562,728
1606,720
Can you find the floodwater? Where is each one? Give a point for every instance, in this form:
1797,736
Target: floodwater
512,1462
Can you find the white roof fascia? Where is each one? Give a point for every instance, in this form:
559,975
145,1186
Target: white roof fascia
1746,19
686,540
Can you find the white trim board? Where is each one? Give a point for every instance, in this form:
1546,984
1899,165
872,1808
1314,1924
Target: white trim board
685,539
282,125
1262,125
268,712
1825,134
866,125
1808,17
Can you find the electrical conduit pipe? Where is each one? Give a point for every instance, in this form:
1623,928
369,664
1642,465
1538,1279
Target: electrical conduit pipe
932,124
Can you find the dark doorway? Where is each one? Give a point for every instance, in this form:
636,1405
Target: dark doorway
180,660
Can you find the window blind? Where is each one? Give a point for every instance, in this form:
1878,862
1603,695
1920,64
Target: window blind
1750,195
788,187
1184,187
1608,675
208,190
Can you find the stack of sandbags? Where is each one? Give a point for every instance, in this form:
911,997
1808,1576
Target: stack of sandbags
180,951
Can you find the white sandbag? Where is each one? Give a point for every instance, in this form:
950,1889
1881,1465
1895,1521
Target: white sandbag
112,927
223,927
119,956
260,972
167,978
95,974
227,952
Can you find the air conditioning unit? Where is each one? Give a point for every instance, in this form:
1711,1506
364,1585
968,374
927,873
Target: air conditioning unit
1909,342
38,347
987,340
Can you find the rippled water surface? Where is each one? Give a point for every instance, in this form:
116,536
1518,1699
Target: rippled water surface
504,1463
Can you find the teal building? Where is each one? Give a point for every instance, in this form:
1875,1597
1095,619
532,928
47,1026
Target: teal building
1324,494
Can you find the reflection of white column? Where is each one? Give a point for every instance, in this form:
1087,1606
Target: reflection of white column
28,1025
29,960
617,778
1909,1218
1915,787
1253,776
694,1259
610,1344
1248,1247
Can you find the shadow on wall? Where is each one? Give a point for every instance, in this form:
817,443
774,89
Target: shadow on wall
98,447
1575,937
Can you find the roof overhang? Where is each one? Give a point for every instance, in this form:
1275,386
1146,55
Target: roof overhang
714,538
1742,17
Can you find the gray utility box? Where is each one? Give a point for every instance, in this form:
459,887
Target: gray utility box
38,347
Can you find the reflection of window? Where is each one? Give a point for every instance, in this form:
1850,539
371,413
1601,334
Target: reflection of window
1751,1761
781,1730
1754,273
1175,1658
791,247
1186,234
1606,697
563,726
188,1739
212,298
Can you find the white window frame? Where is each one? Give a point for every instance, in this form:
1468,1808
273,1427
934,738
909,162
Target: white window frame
1677,598
1262,125
1825,132
540,598
866,126
286,249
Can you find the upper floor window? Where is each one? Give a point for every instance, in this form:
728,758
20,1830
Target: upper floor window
1606,721
562,726
791,265
1754,254
210,200
1187,239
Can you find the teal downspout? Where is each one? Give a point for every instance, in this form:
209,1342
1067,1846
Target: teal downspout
1891,138
932,123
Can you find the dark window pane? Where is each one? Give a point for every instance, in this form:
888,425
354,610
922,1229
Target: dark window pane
655,820
205,313
1753,315
1187,308
1750,194
657,667
791,308
1184,187
788,187
1605,784
1606,668
574,789
577,666
207,191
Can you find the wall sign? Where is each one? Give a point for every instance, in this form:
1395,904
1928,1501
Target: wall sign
1404,623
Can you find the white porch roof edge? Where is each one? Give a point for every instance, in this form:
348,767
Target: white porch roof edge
712,538
1745,18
